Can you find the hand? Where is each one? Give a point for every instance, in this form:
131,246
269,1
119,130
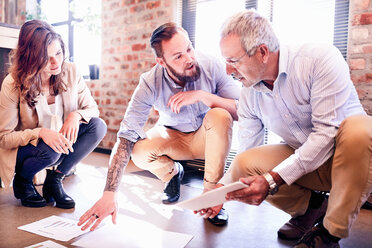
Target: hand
255,194
70,128
56,141
183,98
212,211
105,206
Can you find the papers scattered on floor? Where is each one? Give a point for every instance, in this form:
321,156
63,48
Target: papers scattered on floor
55,227
130,232
46,244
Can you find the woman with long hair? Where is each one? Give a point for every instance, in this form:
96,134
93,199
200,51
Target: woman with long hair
48,117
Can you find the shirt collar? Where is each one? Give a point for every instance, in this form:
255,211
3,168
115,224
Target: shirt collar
282,71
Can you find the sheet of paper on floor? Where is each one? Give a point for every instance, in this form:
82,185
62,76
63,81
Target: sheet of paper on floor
55,227
134,233
46,244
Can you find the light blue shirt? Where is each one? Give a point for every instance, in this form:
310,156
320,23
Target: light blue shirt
312,95
156,87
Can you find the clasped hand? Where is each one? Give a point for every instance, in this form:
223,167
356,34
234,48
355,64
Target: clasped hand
183,98
62,141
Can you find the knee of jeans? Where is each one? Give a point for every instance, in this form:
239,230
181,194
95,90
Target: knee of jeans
99,127
218,116
49,156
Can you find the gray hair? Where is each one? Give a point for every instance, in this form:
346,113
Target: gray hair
253,30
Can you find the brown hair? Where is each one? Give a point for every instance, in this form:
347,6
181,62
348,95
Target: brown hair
163,32
31,56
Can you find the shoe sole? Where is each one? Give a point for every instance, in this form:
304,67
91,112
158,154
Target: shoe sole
284,237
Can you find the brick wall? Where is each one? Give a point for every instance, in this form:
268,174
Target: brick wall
360,50
126,53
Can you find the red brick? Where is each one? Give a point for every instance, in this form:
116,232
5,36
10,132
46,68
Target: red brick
367,49
357,64
127,2
152,5
369,77
137,9
357,79
138,47
366,18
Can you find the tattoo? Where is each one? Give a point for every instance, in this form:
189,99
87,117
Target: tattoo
119,159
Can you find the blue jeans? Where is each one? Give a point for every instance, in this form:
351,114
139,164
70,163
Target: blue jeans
31,159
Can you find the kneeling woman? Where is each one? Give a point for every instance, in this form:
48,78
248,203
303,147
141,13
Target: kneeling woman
48,117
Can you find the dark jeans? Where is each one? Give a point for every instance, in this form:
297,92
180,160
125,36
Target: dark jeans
31,159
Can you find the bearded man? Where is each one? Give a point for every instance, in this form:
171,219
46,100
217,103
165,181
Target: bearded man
196,102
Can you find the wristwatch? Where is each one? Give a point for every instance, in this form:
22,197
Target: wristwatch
273,187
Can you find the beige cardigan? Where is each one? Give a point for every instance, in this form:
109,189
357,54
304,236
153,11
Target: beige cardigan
19,124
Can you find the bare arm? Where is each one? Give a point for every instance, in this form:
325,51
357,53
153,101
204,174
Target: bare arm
119,159
107,204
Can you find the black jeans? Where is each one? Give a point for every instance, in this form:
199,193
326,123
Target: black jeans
31,159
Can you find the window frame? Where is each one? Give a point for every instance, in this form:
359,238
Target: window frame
341,21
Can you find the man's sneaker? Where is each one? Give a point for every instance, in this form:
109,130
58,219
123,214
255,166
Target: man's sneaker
172,188
295,228
318,237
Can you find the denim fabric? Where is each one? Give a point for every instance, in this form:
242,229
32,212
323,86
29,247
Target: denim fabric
31,159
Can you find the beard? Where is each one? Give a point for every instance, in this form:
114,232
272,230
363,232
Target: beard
182,77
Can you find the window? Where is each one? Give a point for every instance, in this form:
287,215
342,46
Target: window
295,21
79,23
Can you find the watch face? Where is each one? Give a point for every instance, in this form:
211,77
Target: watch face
274,190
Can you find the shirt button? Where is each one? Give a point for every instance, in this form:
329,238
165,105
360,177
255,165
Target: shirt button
286,115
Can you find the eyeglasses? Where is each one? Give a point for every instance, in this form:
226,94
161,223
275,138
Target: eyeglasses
234,62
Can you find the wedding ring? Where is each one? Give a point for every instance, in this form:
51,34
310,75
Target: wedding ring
95,216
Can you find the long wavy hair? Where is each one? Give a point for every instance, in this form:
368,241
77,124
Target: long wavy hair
31,56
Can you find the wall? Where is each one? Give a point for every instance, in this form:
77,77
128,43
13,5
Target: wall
13,11
126,53
360,50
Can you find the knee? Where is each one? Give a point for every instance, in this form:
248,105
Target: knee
48,155
243,167
140,154
356,131
98,127
218,116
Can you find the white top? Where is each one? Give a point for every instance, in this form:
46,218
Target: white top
52,114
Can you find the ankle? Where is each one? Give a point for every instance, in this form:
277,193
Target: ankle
327,235
316,199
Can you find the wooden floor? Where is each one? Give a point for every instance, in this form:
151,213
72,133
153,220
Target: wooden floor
249,226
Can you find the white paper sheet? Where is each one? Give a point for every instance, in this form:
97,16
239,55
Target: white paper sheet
55,227
46,244
133,233
211,198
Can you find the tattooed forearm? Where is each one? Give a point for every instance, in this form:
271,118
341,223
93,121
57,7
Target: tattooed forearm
119,159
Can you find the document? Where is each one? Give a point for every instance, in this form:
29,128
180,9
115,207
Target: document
134,233
46,244
55,227
211,198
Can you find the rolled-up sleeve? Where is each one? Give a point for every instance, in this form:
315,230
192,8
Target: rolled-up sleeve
131,127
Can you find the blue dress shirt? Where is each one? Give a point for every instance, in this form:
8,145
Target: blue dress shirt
156,87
